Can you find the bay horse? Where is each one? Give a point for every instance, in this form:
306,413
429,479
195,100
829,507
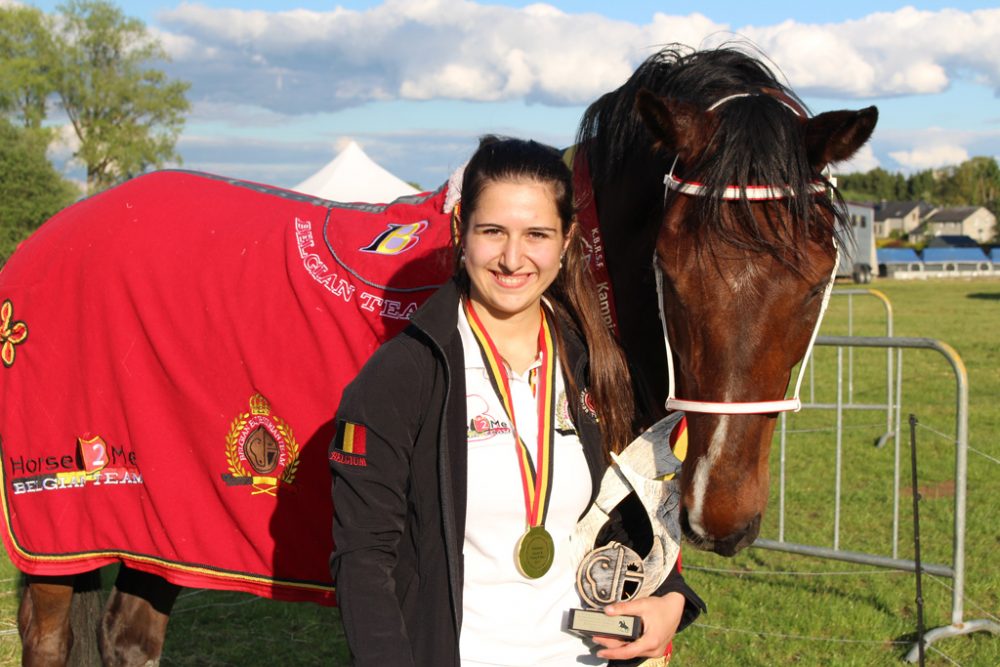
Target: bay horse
729,262
720,226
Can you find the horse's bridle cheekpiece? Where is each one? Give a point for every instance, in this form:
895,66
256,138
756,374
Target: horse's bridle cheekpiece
752,193
792,404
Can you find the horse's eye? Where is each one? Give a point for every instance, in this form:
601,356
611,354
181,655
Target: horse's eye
817,290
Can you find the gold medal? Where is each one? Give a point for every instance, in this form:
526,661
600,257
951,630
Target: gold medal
535,552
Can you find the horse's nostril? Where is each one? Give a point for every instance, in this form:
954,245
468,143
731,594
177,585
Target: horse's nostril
738,541
752,531
696,540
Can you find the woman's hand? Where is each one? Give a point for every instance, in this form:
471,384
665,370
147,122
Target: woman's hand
660,618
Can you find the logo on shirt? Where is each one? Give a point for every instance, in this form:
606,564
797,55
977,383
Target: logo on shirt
483,426
587,403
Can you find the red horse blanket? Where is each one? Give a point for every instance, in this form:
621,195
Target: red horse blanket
173,352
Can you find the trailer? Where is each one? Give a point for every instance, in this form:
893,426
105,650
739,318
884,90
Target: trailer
857,255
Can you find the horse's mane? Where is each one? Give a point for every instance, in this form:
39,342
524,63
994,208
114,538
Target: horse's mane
759,140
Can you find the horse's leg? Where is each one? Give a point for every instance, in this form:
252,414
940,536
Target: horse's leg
85,613
135,622
43,621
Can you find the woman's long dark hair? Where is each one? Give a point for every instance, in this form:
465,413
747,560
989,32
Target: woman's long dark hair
573,294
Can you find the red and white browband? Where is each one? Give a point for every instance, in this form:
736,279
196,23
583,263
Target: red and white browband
735,192
753,193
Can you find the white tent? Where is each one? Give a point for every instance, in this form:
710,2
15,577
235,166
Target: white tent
352,176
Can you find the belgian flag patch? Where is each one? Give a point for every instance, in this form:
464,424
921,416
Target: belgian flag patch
350,444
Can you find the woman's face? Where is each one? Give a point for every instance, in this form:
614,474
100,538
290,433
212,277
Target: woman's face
513,246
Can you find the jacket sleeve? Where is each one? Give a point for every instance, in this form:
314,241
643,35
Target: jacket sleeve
377,423
675,583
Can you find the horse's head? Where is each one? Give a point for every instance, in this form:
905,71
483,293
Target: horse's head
745,275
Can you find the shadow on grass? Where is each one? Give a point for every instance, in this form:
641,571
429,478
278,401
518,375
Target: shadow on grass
224,628
985,296
793,585
906,641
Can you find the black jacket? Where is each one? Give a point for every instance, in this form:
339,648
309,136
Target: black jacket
400,492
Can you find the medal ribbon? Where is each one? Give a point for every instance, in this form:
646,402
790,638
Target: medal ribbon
591,230
537,485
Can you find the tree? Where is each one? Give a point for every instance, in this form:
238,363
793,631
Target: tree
126,115
978,180
877,184
26,61
31,190
921,185
975,182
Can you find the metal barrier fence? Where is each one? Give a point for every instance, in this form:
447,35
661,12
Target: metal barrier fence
956,570
890,405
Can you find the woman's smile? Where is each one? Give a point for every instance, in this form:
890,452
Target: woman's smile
512,281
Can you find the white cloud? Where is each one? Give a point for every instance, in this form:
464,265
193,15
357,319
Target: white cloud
302,61
926,157
864,160
426,157
915,149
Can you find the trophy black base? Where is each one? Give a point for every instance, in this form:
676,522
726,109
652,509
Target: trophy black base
596,622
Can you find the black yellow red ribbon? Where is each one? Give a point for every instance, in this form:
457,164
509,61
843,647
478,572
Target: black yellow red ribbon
536,482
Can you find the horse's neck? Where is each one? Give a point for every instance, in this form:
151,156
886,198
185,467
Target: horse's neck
630,211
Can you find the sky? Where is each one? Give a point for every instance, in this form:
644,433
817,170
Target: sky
278,87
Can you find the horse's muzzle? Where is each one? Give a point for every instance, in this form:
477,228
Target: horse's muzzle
728,546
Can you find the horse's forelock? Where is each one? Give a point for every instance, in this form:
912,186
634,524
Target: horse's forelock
612,127
758,141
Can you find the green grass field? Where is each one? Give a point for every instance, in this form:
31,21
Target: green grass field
768,608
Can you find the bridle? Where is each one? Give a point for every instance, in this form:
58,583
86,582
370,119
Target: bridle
730,193
792,404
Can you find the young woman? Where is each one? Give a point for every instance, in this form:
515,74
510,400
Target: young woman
470,445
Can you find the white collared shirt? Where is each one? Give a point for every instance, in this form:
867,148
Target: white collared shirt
507,618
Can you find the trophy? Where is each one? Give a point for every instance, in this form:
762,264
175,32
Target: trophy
614,572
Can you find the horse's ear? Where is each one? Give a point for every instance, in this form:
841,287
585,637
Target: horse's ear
678,127
835,136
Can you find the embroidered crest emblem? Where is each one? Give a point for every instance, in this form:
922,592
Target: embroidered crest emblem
261,450
587,403
564,420
12,333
